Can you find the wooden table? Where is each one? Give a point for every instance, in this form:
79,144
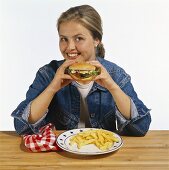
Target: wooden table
149,152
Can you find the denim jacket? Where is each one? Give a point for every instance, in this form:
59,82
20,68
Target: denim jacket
64,109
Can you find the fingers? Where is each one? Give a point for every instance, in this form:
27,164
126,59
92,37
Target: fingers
60,73
98,77
66,82
66,76
95,63
62,68
104,74
66,64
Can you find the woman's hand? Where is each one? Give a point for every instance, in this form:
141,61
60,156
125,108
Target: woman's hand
104,79
121,99
41,103
61,79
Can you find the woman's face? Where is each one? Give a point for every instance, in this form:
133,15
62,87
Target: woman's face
76,42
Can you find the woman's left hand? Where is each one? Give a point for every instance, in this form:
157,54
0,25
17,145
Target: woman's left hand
104,79
121,99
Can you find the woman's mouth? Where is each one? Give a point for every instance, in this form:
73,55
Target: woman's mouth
73,56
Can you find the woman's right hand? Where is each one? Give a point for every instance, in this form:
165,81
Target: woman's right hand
61,79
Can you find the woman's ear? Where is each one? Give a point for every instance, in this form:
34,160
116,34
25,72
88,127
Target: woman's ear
96,42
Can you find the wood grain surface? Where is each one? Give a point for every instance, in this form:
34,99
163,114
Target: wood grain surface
149,152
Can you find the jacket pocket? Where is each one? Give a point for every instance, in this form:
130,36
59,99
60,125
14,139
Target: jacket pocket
62,119
109,121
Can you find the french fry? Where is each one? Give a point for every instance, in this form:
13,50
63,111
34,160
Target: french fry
100,138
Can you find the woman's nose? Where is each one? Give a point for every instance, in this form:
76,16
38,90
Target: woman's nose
71,45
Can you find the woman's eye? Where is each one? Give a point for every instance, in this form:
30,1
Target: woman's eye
78,39
63,39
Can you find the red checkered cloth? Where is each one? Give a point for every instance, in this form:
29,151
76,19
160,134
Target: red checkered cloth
44,141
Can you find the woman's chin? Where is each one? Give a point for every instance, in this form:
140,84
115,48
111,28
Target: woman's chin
83,82
79,59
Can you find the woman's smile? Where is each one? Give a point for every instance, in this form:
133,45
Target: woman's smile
73,56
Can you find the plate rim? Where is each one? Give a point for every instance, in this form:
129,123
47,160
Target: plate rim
87,153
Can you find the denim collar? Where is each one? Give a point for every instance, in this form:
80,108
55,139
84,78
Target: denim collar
97,86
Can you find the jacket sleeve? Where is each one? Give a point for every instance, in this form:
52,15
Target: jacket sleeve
139,124
20,114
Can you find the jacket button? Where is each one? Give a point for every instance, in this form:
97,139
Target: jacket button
92,114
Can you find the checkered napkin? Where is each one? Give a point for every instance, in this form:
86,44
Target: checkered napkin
45,140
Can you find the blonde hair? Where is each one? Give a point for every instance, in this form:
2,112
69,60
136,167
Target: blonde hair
90,19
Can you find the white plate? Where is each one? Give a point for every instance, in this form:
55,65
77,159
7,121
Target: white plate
64,138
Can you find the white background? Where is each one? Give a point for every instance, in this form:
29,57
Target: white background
136,37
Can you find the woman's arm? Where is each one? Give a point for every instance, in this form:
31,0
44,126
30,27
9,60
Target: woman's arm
127,102
121,99
41,103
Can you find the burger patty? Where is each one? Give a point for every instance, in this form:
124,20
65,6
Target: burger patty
84,73
82,76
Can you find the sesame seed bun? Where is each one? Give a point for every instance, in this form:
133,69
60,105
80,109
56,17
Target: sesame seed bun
82,66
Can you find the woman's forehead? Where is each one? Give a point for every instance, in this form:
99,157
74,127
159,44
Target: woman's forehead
72,28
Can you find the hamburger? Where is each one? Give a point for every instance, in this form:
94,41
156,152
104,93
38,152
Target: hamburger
83,72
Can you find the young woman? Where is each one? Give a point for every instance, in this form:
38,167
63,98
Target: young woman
109,102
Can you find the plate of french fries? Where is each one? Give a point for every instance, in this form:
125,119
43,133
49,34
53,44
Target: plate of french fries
89,141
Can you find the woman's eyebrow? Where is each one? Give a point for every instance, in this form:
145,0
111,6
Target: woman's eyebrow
73,35
80,34
62,36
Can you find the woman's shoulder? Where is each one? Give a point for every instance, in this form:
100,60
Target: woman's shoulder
55,64
118,74
49,70
110,66
52,65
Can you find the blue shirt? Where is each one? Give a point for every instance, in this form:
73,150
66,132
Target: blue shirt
64,109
